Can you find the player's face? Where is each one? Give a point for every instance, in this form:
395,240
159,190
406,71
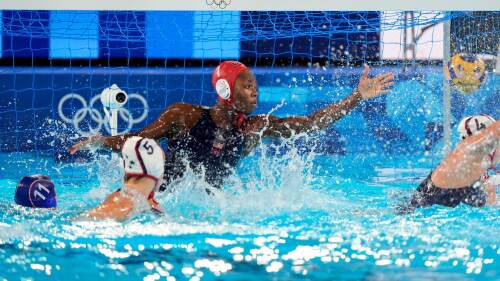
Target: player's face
245,92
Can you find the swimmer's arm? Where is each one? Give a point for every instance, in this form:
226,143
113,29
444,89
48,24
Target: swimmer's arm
491,193
323,118
463,166
116,207
170,122
286,127
120,205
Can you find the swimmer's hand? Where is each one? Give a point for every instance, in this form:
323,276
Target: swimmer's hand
90,142
376,86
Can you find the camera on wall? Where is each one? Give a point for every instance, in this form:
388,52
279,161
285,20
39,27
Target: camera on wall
113,97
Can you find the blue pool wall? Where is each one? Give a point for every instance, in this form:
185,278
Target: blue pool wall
406,120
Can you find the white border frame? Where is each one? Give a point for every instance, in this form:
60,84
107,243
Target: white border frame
253,5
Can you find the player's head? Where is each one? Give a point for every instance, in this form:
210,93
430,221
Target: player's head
143,157
471,125
235,85
36,191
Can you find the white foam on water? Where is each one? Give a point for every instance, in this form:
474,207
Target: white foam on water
273,185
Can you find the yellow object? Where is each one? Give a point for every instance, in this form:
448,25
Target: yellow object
465,72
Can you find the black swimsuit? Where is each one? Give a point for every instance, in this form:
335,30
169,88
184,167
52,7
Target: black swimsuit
428,194
206,150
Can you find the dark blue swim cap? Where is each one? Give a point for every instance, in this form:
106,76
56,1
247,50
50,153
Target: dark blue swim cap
36,191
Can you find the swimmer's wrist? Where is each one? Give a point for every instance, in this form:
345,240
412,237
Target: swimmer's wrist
357,95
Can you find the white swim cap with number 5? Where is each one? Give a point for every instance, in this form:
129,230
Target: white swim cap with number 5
143,157
471,125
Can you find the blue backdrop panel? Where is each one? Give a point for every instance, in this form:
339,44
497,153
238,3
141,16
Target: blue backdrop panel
1,36
74,34
316,35
169,34
25,34
217,35
122,34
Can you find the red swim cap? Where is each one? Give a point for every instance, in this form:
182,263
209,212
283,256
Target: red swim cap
224,77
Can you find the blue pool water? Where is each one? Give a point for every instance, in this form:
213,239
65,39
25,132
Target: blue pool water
292,217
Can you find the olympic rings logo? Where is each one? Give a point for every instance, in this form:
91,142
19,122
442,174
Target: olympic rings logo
221,4
96,116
